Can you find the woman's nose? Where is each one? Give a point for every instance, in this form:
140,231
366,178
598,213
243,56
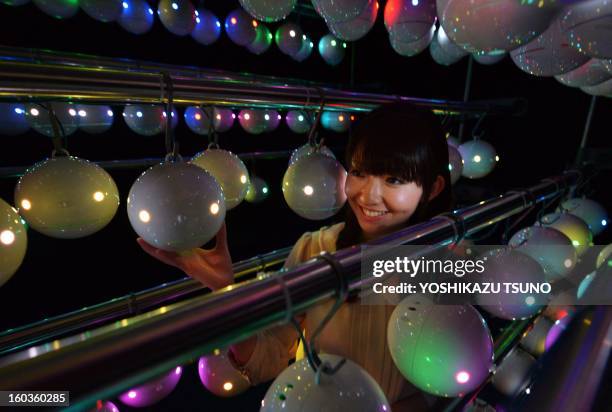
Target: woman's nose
371,191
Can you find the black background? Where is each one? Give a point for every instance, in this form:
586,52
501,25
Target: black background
62,275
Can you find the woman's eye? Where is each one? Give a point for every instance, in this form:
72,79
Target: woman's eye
395,180
355,172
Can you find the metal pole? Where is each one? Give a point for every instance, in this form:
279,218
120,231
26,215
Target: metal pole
17,339
151,346
90,83
585,132
17,171
466,94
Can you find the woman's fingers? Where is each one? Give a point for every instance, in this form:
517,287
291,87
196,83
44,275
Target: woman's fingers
221,242
169,258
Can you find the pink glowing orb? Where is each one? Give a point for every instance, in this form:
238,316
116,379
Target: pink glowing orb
152,391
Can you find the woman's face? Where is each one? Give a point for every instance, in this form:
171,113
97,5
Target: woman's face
381,203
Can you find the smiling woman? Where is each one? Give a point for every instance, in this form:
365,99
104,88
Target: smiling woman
398,159
398,173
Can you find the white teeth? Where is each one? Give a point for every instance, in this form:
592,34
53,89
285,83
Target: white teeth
372,213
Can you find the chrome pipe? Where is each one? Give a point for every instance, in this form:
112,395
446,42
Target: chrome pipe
18,171
151,346
105,80
16,339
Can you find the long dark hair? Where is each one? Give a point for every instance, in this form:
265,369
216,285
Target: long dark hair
405,141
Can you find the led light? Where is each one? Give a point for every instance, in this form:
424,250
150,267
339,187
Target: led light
462,377
72,112
477,159
243,179
25,203
214,208
308,190
144,216
7,237
98,196
34,112
228,386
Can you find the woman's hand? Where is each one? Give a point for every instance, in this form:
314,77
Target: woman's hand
211,267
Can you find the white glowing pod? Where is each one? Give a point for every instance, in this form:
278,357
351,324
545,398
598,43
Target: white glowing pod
593,213
512,376
197,120
153,391
258,190
552,249
208,27
351,388
223,119
13,241
604,256
241,27
601,89
591,73
313,186
358,27
455,164
40,120
586,25
95,119
273,119
228,170
489,58
305,50
548,54
413,48
66,197
488,25
176,206
308,149
576,229
443,51
445,350
339,10
479,158
146,120
409,20
253,120
219,376
102,10
13,119
177,16
60,9
136,17
336,121
510,266
298,121
262,42
331,49
289,38
269,10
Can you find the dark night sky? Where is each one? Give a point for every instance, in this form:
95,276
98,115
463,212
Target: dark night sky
62,275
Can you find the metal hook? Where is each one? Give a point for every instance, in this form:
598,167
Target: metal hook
167,88
476,132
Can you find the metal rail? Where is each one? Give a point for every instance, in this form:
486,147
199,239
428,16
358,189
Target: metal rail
16,339
18,171
48,75
147,348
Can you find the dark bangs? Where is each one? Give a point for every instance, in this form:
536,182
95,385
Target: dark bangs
406,142
400,140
